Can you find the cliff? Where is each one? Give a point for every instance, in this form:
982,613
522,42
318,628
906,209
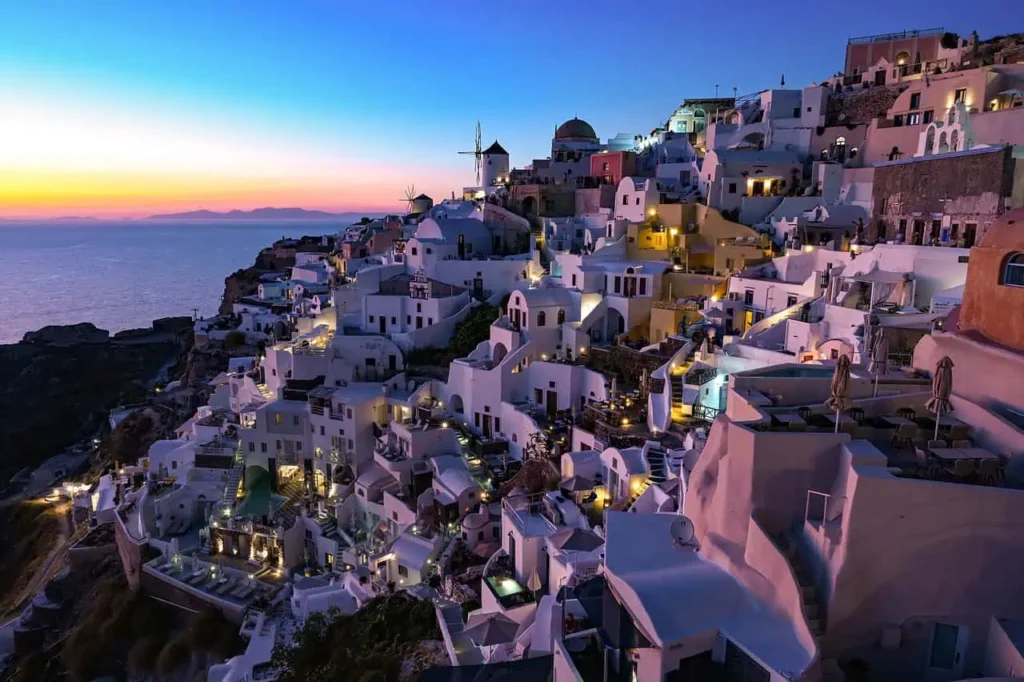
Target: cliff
277,258
58,388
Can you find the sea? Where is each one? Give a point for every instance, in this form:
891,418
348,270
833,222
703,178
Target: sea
124,274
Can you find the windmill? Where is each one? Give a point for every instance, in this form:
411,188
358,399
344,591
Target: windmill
410,198
478,153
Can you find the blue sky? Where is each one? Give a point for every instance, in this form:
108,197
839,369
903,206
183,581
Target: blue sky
393,89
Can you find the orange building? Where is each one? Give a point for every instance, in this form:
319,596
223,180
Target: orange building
994,291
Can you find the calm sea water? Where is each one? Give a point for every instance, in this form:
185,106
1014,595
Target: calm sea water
124,274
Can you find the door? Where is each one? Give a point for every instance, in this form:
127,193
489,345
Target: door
462,247
748,319
970,232
392,363
757,189
487,426
383,324
552,403
478,287
948,649
419,322
880,77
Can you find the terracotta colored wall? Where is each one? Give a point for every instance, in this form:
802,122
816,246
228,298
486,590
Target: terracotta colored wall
989,307
620,165
973,183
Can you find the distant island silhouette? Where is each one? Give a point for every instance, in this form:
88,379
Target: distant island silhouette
268,213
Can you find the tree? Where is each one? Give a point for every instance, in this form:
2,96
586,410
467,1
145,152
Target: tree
234,339
143,655
173,656
949,40
370,644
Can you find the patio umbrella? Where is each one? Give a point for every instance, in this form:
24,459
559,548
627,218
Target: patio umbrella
839,398
576,540
613,390
576,484
879,363
491,629
942,388
534,584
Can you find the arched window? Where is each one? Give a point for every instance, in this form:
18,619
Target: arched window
541,318
1013,270
929,140
561,316
943,144
840,141
954,141
902,58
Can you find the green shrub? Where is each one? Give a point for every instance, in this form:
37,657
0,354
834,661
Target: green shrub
234,339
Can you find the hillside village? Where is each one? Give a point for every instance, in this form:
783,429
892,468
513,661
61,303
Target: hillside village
733,399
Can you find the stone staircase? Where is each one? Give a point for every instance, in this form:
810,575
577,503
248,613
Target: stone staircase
657,465
810,598
231,485
265,392
294,491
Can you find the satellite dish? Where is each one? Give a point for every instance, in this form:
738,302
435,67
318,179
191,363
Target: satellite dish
682,531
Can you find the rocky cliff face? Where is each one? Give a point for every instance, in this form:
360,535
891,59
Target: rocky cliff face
133,436
55,393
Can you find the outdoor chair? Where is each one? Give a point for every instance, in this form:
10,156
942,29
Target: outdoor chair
963,468
932,444
961,444
905,434
959,431
989,471
848,426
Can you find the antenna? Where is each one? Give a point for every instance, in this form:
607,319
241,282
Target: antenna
478,152
682,531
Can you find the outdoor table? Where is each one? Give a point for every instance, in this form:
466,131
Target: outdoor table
843,418
953,454
788,418
898,421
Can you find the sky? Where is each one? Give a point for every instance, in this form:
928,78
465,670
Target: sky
121,108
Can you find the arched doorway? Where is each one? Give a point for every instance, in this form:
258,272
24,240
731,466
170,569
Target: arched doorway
530,206
499,353
457,406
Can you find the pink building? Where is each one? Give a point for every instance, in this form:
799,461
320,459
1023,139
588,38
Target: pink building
903,557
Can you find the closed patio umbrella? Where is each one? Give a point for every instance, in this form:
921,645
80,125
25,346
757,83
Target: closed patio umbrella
879,363
942,388
839,398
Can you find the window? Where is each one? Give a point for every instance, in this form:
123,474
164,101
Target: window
790,301
914,119
371,319
1013,271
263,447
408,319
295,420
277,444
495,532
625,200
419,307
414,251
322,432
394,320
915,100
561,316
298,446
643,286
361,493
897,122
277,419
618,285
732,188
541,318
748,297
429,251
252,447
960,96
349,413
638,201
574,280
929,116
